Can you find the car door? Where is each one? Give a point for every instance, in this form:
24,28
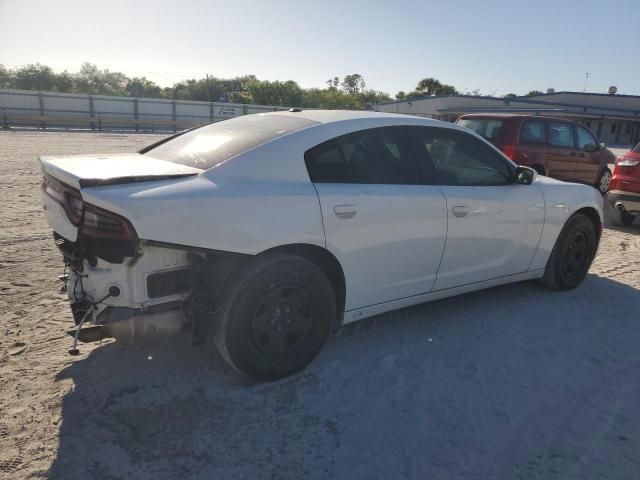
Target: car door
386,228
494,224
562,150
589,158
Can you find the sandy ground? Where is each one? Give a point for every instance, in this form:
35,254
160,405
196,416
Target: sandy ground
513,382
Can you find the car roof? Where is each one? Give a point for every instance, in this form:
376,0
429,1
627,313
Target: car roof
330,116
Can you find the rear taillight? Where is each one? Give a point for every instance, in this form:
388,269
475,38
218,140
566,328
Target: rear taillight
626,162
67,197
75,207
99,223
510,150
92,221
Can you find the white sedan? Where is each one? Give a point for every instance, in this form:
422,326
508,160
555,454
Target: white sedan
262,233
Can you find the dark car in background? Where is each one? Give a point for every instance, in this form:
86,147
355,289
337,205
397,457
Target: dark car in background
624,189
558,148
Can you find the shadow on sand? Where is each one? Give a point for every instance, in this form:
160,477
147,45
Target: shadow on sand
511,382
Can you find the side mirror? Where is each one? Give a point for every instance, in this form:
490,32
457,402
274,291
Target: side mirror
525,175
590,148
602,145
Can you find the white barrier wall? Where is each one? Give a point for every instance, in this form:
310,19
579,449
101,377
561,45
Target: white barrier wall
63,110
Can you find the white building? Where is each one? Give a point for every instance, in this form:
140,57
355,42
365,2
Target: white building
614,119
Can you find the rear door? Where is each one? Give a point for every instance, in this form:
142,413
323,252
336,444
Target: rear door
589,157
562,150
383,224
494,224
533,148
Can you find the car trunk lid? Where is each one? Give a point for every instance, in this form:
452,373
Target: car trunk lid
81,171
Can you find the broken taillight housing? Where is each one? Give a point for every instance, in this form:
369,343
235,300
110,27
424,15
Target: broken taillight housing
99,223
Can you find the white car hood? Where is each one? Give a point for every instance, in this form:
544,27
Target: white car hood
82,171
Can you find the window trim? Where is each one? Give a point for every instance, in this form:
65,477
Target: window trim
328,144
488,146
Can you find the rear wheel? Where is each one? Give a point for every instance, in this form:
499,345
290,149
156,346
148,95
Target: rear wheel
539,168
572,254
604,181
623,218
276,317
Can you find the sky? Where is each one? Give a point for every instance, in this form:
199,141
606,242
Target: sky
495,46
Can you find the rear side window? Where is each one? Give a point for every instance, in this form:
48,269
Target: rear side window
459,159
533,132
208,146
488,128
561,134
378,156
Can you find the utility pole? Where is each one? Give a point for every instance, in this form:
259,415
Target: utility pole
208,89
586,79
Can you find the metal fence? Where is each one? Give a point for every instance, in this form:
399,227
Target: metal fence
24,108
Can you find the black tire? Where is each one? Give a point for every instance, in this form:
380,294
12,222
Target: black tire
603,181
275,318
572,254
623,218
539,168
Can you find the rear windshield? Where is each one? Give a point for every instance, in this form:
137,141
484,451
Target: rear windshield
489,128
208,146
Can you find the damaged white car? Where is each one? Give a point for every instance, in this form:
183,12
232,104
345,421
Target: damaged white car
262,233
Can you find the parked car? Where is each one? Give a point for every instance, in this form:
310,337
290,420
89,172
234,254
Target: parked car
264,232
554,147
624,189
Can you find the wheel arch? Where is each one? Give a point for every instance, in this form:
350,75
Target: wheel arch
326,261
594,216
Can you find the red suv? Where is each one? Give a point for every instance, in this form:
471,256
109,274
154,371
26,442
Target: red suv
557,148
624,189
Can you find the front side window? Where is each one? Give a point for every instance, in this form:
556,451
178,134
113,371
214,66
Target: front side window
585,138
533,132
378,156
208,146
561,134
459,159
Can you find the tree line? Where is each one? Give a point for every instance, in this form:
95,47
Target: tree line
350,92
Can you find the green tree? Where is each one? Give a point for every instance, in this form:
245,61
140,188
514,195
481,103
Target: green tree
90,79
279,93
142,87
430,87
64,82
353,83
6,77
533,93
401,95
34,77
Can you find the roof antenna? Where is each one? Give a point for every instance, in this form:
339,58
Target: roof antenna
586,79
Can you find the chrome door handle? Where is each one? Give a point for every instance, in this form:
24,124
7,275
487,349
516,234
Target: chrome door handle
460,211
345,211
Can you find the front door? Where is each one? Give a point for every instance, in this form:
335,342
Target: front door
382,223
589,158
493,224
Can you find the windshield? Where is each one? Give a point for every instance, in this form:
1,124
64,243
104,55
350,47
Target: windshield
208,146
489,128
636,149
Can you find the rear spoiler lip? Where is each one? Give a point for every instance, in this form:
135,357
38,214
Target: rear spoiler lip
101,182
